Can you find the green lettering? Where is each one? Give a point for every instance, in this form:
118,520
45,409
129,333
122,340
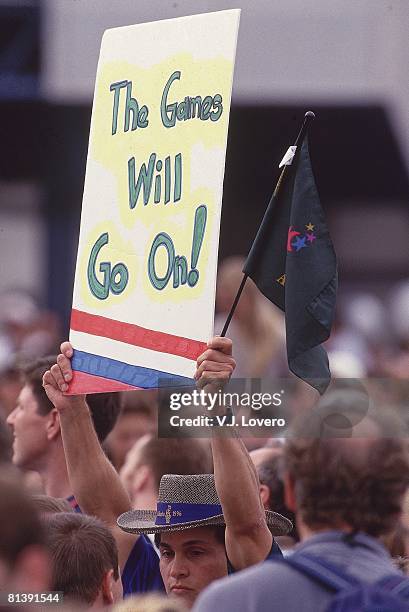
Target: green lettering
177,193
206,106
145,178
100,290
116,87
164,240
179,271
217,108
168,121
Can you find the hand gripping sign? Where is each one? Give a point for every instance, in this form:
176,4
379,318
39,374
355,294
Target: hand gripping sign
145,279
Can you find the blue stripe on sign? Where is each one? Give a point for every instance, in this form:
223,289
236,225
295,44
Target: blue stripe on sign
138,376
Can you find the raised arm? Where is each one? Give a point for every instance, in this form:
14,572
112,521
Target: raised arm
248,539
94,481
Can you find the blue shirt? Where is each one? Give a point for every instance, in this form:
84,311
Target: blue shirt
277,586
141,572
275,551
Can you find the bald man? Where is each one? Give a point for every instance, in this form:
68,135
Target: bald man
268,461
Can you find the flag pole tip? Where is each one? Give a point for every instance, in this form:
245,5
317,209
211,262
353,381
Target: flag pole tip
309,115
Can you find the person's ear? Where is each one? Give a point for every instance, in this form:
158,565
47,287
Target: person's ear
289,492
142,479
107,588
53,428
265,496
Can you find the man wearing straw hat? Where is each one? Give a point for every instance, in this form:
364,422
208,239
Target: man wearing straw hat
206,527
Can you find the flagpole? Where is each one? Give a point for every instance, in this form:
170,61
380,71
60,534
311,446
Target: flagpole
308,117
233,308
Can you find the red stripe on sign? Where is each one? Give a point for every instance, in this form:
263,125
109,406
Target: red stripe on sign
136,335
82,383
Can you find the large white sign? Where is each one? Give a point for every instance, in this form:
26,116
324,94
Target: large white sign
144,290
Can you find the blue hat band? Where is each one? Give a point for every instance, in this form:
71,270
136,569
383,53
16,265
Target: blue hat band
174,514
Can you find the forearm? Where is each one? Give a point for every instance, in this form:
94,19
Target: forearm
95,483
248,539
237,482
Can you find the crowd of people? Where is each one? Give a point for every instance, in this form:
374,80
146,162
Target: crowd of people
95,507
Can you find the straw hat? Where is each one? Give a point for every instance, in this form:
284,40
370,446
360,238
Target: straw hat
187,501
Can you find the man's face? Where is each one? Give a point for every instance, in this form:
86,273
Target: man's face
190,560
29,429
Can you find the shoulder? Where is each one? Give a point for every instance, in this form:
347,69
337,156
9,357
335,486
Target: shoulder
274,554
250,589
141,572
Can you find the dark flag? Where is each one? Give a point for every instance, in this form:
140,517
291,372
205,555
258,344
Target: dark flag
293,263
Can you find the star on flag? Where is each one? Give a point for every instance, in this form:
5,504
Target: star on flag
299,243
